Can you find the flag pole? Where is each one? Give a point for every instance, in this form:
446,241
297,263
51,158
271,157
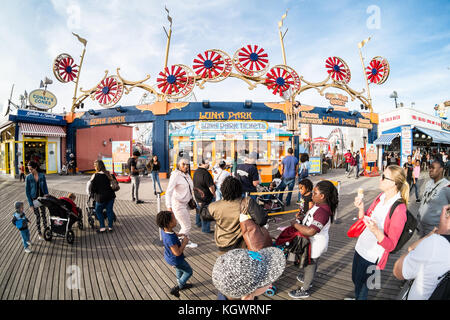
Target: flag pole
360,45
84,42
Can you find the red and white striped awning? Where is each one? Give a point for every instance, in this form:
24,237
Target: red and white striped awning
33,129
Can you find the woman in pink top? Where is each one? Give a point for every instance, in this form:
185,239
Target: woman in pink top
416,175
382,233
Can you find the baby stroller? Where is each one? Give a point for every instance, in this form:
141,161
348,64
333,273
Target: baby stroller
270,202
91,214
61,218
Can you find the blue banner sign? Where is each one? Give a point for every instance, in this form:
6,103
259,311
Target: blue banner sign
37,116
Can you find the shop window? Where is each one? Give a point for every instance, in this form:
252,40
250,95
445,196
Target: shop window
224,151
277,150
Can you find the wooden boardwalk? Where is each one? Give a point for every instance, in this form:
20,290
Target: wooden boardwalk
128,264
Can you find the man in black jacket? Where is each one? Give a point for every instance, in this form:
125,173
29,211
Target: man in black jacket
204,190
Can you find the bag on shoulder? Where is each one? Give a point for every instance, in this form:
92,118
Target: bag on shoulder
254,210
204,214
442,291
255,236
113,182
408,229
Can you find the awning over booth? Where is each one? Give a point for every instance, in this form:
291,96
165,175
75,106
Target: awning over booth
437,136
386,139
33,129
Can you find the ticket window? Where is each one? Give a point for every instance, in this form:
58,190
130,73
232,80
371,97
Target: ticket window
224,151
243,148
261,148
277,150
205,151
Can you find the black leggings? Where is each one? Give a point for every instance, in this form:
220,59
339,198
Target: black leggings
38,218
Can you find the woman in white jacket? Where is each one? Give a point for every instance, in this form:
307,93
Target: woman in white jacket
178,194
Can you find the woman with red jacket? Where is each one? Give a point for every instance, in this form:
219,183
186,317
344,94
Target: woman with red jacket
381,234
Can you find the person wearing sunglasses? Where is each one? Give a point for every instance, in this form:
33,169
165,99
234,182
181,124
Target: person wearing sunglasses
178,195
382,232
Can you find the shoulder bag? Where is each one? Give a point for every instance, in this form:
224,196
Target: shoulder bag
256,237
191,204
358,227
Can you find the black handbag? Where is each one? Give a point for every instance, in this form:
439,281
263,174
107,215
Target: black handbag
191,204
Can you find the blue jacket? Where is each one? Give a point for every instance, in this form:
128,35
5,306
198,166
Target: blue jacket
30,187
20,221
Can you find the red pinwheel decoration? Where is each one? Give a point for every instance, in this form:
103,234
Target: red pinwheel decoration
378,70
65,69
338,69
172,80
279,80
250,60
109,91
209,65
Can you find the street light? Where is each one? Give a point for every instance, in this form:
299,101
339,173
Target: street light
394,96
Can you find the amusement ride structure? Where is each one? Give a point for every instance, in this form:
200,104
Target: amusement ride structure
249,63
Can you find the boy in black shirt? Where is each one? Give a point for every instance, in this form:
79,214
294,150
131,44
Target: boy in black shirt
409,167
204,190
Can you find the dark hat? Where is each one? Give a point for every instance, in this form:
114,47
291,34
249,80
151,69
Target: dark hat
136,153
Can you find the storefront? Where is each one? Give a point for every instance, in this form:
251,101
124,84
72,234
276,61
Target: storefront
224,140
32,135
405,130
216,130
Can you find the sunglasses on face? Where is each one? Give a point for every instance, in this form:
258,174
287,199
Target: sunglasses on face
384,177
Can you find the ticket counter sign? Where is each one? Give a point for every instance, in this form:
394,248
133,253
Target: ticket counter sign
42,99
315,165
233,126
121,151
371,153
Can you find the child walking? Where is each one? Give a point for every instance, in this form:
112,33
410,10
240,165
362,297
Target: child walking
173,250
21,223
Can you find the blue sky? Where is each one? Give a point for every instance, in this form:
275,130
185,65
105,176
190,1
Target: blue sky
413,35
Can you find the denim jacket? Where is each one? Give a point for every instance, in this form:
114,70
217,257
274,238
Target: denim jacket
30,187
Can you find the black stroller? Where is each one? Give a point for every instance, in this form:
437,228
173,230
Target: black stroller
270,202
92,216
61,218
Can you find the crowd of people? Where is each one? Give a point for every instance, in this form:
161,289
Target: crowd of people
240,235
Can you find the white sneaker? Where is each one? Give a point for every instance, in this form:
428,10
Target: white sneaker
40,238
27,250
191,245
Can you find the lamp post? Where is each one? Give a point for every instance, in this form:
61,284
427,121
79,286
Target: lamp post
394,96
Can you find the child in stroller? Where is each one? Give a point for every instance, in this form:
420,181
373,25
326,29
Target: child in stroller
61,218
92,216
270,202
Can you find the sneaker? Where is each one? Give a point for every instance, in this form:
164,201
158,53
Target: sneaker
349,299
27,250
299,294
191,245
40,238
175,291
187,286
302,280
139,201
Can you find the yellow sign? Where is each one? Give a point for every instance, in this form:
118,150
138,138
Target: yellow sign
42,99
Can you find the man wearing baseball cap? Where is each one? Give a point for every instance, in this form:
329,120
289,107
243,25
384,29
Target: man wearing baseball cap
241,274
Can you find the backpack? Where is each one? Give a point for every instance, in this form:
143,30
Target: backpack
113,182
442,291
408,229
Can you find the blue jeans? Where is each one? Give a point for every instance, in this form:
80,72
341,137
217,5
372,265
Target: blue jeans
184,272
290,183
109,213
155,178
416,188
360,276
205,225
25,237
